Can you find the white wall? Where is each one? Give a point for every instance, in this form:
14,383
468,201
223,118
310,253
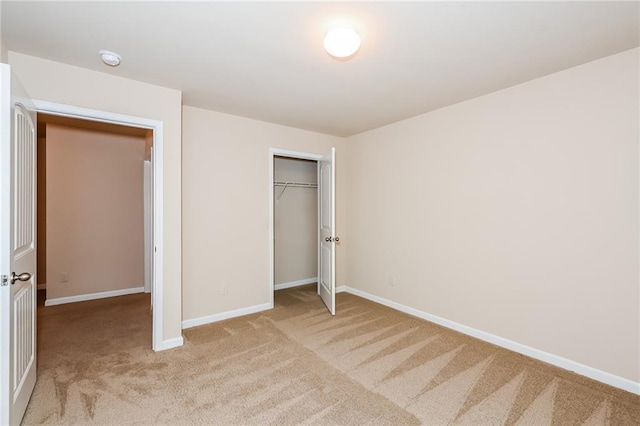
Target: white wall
95,211
295,221
226,207
515,213
55,82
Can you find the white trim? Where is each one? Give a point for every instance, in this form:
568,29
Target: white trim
169,344
297,283
94,115
294,154
158,188
225,315
157,286
558,361
147,179
5,244
42,286
273,152
92,296
341,289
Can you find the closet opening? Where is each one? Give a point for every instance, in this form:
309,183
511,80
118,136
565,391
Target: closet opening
294,230
298,176
295,222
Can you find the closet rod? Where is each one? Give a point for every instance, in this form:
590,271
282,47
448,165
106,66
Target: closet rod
295,184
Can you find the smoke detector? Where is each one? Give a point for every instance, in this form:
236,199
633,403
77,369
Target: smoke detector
110,58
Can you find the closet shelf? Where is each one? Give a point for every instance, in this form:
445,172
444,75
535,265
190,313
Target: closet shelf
286,185
295,184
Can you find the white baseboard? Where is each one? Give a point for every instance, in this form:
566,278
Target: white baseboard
169,344
42,286
296,283
92,296
244,311
224,315
558,361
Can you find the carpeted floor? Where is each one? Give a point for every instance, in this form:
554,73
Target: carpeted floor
297,365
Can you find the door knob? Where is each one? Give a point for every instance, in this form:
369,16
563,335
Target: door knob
25,276
328,239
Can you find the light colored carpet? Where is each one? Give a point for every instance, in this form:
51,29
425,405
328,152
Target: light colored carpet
297,365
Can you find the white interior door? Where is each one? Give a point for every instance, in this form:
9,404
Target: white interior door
327,222
18,248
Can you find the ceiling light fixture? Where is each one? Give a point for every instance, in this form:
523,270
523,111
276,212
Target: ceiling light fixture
342,41
110,58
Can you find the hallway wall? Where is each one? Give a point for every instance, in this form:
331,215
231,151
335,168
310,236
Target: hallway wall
94,212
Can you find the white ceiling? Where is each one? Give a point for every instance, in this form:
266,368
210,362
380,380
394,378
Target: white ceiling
265,60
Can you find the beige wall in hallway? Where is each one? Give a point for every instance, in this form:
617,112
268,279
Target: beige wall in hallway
515,213
226,207
56,82
94,215
295,221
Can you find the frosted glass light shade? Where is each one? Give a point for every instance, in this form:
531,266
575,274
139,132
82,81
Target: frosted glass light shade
342,42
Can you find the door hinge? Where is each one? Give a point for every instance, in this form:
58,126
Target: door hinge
5,280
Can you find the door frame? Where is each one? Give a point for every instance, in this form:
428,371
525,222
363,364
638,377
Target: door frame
158,229
147,170
273,153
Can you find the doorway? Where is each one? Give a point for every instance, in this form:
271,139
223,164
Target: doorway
325,238
295,222
153,131
91,209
